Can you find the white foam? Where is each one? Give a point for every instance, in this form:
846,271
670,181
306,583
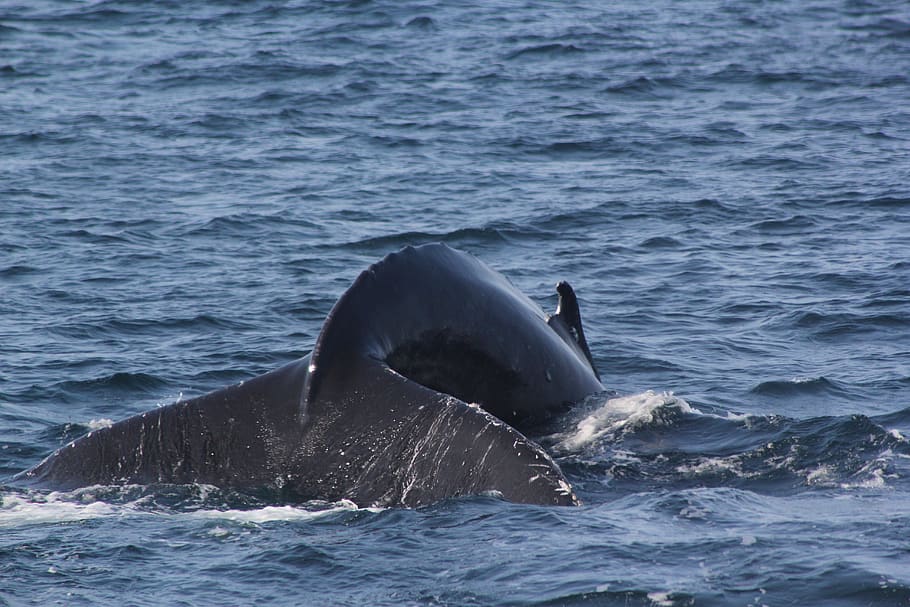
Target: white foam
618,413
661,598
19,509
739,417
874,474
269,514
822,475
219,532
98,424
711,465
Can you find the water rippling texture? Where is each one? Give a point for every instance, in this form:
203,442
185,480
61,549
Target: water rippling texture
187,188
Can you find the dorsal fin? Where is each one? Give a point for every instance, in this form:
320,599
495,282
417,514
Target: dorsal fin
567,310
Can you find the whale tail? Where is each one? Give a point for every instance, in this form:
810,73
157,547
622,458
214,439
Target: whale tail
374,437
411,445
418,380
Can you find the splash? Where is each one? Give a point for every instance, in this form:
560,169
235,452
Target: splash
620,413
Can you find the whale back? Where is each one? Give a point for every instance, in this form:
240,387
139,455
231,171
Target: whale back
445,320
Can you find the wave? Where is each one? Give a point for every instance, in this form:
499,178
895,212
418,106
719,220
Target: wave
604,595
842,325
245,224
422,23
554,49
644,87
799,386
115,382
652,441
461,237
797,224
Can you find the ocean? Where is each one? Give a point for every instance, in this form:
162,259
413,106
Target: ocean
186,188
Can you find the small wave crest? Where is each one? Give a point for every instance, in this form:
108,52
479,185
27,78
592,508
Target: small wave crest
798,386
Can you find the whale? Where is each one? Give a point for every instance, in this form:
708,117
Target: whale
426,375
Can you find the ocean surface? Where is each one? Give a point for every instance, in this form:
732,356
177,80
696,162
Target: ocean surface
186,188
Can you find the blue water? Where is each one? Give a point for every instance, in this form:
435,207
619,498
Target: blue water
187,188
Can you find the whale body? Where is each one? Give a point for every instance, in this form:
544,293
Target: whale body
423,376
